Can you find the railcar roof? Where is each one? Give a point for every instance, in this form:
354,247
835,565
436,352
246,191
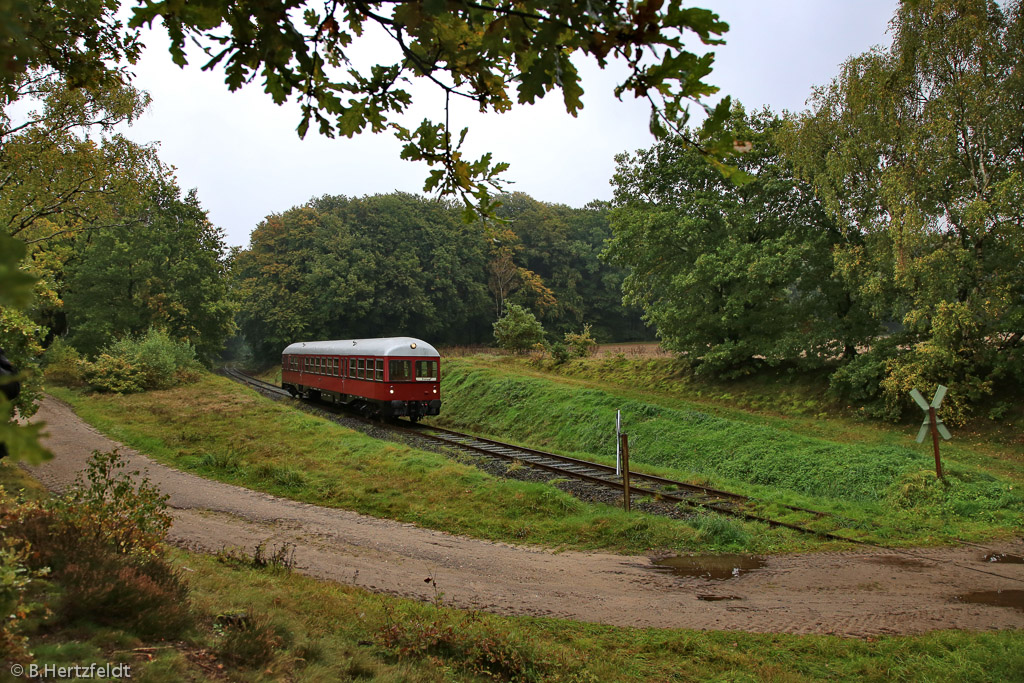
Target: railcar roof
387,346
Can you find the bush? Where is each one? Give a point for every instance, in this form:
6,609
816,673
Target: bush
102,540
559,353
924,368
15,578
63,364
151,361
114,374
580,345
859,381
518,329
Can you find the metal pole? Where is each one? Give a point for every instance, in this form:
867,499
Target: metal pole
618,440
624,440
935,440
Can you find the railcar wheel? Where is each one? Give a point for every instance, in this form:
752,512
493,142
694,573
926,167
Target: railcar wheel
414,418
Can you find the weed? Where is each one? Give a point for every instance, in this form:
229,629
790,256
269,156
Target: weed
280,558
250,638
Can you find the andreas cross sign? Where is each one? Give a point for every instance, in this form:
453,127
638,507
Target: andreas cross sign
932,422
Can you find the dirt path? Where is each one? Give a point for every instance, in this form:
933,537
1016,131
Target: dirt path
854,594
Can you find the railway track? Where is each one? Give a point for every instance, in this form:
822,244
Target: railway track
821,524
642,486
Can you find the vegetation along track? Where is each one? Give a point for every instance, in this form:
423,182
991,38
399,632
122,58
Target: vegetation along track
821,524
641,485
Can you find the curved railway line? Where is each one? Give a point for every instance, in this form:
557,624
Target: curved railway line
641,485
822,524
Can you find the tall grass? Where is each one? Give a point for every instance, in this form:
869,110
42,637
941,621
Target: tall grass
570,418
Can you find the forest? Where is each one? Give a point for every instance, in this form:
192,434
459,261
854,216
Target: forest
876,237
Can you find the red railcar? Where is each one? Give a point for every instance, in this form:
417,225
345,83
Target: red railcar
393,376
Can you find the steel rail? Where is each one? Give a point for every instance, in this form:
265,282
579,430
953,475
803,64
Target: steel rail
593,473
601,469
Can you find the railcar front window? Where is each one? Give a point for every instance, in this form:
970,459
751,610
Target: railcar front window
426,371
400,370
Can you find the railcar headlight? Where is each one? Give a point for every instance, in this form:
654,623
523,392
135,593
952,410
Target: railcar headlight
435,391
391,391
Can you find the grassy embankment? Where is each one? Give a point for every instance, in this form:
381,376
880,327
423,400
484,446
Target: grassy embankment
264,623
780,447
872,474
222,430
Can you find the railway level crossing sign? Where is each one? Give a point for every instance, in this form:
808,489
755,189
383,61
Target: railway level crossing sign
932,422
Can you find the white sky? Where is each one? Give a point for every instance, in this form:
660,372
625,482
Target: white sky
241,152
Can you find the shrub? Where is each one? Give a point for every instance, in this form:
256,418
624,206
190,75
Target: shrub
15,578
103,542
580,345
927,366
114,374
63,364
559,352
518,329
150,361
859,381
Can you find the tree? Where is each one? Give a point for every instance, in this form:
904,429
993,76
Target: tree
341,268
518,329
81,41
62,158
166,271
479,51
732,276
917,152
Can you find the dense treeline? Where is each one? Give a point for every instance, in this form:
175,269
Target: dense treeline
399,264
883,233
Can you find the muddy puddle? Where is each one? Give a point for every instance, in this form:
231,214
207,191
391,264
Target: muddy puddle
1005,558
718,567
1006,598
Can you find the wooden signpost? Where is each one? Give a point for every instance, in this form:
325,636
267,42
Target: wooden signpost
932,422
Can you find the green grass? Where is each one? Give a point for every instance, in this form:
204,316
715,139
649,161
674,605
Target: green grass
344,628
303,629
876,479
218,429
20,483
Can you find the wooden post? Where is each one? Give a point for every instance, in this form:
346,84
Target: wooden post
624,442
935,441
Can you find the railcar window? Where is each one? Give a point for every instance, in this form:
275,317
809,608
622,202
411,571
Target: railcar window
400,370
426,371
380,369
351,367
305,364
362,368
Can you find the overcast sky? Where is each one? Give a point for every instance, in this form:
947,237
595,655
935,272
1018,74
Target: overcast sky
242,153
